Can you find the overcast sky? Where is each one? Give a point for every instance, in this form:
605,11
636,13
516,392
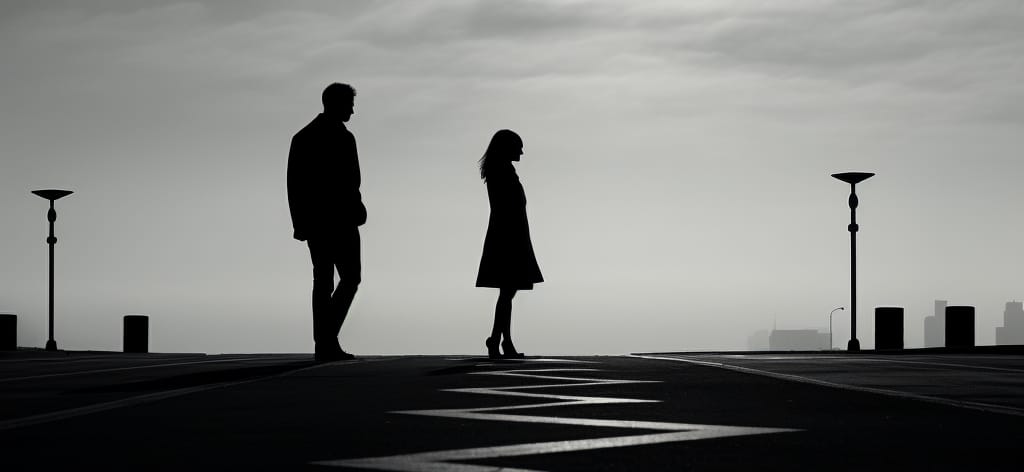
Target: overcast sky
677,161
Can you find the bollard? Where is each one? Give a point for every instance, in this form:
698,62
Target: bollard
959,326
136,333
8,332
888,327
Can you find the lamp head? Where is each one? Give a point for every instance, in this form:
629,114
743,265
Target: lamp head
853,178
52,194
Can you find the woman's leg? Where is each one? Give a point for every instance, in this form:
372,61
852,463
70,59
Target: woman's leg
502,313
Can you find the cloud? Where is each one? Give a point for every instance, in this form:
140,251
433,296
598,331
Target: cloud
951,60
944,60
867,41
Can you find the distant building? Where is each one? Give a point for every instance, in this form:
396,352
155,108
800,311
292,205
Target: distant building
798,340
759,340
1012,330
935,326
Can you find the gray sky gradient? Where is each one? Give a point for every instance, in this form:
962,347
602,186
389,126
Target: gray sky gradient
677,161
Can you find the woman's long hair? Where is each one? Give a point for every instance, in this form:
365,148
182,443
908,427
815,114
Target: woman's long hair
496,157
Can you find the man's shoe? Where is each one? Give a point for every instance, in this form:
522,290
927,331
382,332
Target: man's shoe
332,356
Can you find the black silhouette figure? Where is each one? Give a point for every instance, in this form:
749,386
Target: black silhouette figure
327,210
508,262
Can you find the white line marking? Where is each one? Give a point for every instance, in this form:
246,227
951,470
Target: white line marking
870,359
943,364
442,460
64,358
142,399
987,407
119,369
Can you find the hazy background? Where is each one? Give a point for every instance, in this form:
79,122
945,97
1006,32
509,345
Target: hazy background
677,161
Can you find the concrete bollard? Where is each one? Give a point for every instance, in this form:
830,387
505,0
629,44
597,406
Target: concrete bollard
136,333
8,332
888,327
959,326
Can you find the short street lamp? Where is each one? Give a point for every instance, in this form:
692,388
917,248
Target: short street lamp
830,326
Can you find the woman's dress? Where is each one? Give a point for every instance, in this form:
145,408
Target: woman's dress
508,260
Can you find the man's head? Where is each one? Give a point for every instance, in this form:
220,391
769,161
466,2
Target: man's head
339,99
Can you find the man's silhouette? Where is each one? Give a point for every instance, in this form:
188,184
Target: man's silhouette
327,210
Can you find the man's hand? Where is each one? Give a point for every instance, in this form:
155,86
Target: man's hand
360,214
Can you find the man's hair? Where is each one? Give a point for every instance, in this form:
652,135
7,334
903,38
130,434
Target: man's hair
338,94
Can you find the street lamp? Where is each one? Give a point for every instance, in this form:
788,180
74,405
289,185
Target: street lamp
853,178
51,215
830,326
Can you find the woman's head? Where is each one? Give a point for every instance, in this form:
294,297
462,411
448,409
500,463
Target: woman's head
506,146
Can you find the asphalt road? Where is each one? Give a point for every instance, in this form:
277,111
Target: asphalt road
658,412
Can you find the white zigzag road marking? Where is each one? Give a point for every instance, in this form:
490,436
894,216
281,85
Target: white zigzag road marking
442,460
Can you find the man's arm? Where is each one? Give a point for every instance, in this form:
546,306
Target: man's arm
359,210
298,193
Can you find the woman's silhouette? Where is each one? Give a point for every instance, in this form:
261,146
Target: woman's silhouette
508,262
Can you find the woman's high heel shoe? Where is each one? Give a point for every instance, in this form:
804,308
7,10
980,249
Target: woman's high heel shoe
492,348
510,351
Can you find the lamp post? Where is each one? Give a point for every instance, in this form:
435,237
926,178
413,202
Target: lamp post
830,326
51,215
853,178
